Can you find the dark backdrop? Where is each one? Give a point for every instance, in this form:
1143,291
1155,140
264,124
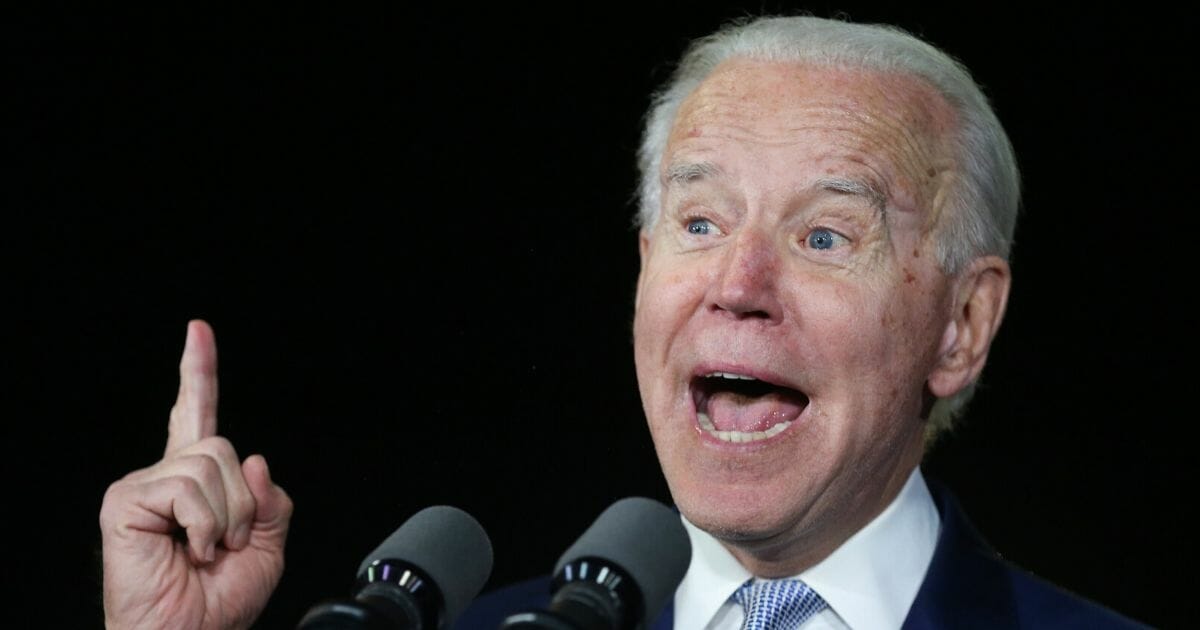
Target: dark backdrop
411,234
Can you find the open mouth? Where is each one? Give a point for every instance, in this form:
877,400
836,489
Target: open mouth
739,408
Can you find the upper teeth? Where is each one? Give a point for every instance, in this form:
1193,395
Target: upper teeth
731,375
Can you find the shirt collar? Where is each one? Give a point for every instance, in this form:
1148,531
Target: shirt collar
870,581
712,577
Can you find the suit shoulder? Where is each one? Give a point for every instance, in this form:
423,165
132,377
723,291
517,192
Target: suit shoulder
1041,604
969,585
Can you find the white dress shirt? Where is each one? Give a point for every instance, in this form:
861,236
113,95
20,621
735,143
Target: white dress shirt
869,582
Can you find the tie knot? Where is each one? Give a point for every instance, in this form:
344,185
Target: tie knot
777,604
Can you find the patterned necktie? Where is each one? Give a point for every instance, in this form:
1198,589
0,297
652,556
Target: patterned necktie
777,604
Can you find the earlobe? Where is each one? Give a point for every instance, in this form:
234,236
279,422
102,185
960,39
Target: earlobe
980,299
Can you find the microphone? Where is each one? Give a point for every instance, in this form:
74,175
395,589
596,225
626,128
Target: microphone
419,578
619,574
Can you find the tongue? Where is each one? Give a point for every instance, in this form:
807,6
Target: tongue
730,411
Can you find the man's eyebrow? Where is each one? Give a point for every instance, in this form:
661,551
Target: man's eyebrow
686,172
856,187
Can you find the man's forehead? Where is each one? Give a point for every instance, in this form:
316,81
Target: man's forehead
897,125
779,84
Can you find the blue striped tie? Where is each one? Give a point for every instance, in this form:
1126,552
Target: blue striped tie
777,604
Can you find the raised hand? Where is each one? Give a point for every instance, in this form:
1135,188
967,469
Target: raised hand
196,540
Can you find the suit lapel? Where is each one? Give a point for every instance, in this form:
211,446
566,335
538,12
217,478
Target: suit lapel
666,620
966,585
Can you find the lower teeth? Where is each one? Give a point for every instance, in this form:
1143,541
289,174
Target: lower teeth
739,436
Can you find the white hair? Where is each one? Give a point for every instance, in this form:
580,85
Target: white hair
982,205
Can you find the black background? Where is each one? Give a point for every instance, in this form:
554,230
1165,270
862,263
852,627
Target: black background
412,236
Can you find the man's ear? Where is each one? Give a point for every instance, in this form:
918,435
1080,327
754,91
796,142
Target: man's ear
981,294
643,255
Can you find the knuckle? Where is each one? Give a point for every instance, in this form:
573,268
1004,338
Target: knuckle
217,447
195,511
220,446
285,500
183,486
242,507
115,488
203,468
114,498
204,523
141,473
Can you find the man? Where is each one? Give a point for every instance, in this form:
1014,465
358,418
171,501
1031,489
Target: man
826,213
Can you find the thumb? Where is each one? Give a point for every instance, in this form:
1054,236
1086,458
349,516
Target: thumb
273,506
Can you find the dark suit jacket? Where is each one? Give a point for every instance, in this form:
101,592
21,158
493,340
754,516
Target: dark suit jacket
968,585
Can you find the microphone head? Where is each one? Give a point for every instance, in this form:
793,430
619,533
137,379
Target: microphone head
447,544
647,540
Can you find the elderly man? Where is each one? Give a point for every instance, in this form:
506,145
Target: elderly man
826,213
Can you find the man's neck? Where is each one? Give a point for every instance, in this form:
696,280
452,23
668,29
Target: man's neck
794,551
869,581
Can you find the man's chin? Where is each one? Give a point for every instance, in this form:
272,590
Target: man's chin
769,542
744,525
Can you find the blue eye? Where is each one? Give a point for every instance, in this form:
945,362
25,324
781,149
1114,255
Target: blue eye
822,238
699,226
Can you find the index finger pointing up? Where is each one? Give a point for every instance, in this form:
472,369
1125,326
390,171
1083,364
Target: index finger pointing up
194,416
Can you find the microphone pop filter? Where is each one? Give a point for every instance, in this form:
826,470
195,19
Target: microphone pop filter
449,546
647,540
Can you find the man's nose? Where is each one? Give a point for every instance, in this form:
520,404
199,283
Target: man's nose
746,286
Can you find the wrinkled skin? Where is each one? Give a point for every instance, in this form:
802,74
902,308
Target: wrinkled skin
235,520
795,244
